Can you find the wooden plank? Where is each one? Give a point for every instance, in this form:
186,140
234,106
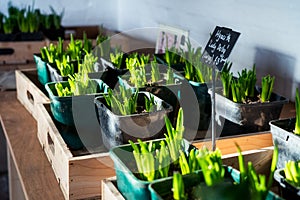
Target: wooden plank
110,190
33,168
260,158
55,148
15,186
248,142
22,51
29,90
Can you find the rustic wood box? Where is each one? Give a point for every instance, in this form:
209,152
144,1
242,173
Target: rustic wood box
30,92
20,52
261,159
78,172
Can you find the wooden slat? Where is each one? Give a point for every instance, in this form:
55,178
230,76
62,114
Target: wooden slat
22,51
34,170
248,142
29,91
110,191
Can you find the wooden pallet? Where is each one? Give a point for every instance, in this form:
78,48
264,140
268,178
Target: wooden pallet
79,173
30,92
261,159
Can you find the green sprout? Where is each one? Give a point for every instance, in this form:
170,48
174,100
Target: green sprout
189,164
123,102
163,160
292,172
149,158
74,48
267,88
257,183
52,52
116,57
211,166
297,105
8,25
226,78
170,76
64,65
237,91
144,159
136,65
155,74
150,103
61,91
173,56
88,63
56,18
174,137
247,78
194,69
87,44
178,187
79,83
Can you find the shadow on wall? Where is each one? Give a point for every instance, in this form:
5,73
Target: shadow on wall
277,64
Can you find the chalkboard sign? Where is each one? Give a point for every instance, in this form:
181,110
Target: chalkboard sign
219,47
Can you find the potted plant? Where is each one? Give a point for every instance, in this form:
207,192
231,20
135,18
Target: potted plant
289,179
78,86
154,78
126,115
244,104
172,57
51,25
285,133
215,181
112,67
139,164
29,24
61,61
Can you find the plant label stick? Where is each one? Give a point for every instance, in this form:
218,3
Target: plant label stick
215,55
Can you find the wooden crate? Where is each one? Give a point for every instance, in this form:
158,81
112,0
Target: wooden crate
30,92
79,173
20,52
260,158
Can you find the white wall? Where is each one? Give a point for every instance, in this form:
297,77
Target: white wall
269,29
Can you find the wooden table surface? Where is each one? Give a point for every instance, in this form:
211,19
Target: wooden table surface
34,170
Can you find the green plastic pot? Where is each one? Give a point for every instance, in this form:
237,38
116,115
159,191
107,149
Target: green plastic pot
128,183
62,107
162,189
42,69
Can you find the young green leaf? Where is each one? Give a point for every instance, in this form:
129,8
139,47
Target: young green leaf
297,105
267,88
178,187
